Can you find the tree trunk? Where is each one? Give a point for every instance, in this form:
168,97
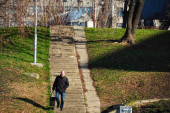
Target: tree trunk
128,37
137,12
125,14
132,21
104,14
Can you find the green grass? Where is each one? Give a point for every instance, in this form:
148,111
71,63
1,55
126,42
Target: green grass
16,54
124,73
104,34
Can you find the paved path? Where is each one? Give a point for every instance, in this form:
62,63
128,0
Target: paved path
63,57
92,100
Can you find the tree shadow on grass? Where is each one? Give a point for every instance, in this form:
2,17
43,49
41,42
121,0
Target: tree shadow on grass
97,41
33,103
152,54
109,109
112,108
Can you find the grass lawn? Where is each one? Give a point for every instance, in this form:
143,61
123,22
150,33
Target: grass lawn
18,92
124,73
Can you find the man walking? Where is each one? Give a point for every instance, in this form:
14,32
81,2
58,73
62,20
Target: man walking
60,85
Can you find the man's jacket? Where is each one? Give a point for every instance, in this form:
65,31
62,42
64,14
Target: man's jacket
61,84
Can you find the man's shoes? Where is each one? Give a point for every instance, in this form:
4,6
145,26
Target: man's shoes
58,105
61,109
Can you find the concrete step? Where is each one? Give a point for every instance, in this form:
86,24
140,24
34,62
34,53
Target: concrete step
56,63
63,56
68,70
72,74
58,70
70,64
74,104
74,101
58,73
70,111
75,83
78,108
63,60
75,80
72,80
60,62
73,87
70,97
64,67
74,91
63,51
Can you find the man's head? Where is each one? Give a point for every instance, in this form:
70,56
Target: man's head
62,74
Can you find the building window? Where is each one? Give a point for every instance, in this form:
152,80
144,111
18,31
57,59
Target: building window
119,11
31,10
1,22
88,10
82,24
39,9
67,8
75,23
119,25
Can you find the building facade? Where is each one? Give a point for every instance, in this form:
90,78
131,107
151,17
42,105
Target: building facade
80,13
87,11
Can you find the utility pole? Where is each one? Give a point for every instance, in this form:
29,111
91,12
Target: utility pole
94,13
35,40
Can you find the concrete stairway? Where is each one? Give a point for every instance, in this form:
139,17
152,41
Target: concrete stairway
63,57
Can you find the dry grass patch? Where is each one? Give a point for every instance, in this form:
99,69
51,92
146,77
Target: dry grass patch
20,93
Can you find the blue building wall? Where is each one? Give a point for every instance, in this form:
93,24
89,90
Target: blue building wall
153,7
77,13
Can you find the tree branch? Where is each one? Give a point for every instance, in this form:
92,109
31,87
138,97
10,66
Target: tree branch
2,2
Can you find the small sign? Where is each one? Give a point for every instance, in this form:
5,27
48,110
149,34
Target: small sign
125,109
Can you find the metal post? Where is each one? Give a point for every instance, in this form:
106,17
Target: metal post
95,16
35,41
9,17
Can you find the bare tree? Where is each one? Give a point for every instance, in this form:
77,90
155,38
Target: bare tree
104,13
165,18
134,13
